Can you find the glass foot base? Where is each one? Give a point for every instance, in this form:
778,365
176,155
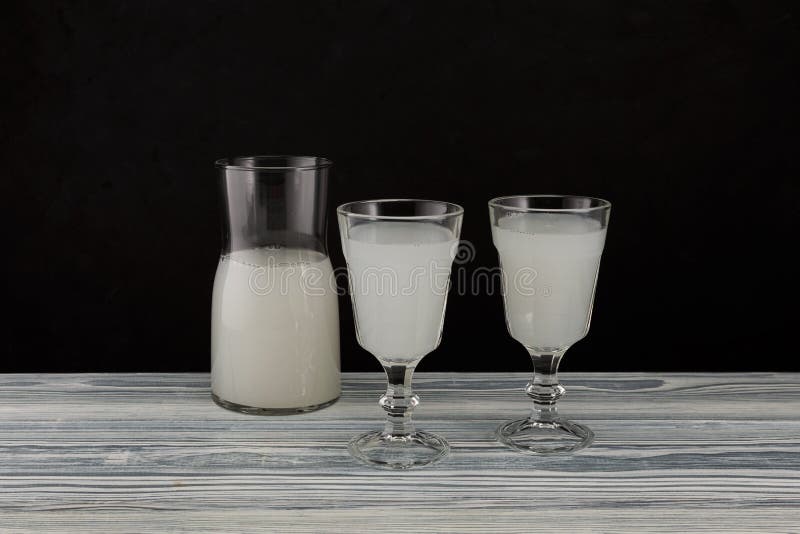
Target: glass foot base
252,410
383,451
545,437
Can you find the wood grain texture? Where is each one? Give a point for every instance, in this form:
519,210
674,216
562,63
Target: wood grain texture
152,453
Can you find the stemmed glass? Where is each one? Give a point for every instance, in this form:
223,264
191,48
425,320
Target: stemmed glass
399,254
549,248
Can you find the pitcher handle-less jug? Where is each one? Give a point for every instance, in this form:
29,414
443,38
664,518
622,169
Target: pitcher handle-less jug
274,313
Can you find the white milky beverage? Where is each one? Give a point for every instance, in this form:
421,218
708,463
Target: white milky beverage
550,263
275,329
399,273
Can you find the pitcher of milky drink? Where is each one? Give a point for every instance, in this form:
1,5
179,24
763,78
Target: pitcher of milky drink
274,314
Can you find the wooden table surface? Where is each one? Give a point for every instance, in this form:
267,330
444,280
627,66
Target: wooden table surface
151,453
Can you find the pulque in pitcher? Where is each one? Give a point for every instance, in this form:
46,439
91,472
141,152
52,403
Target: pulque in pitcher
275,318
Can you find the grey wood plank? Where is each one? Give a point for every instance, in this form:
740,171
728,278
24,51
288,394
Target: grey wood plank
152,453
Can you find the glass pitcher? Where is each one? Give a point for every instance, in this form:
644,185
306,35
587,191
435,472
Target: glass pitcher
274,313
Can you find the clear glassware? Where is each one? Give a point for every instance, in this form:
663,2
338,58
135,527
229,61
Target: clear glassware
275,314
549,248
399,253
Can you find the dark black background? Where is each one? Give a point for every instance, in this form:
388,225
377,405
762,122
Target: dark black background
683,114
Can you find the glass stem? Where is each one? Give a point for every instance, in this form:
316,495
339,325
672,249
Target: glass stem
544,388
399,400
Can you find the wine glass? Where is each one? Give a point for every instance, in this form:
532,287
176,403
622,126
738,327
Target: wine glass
549,248
399,253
